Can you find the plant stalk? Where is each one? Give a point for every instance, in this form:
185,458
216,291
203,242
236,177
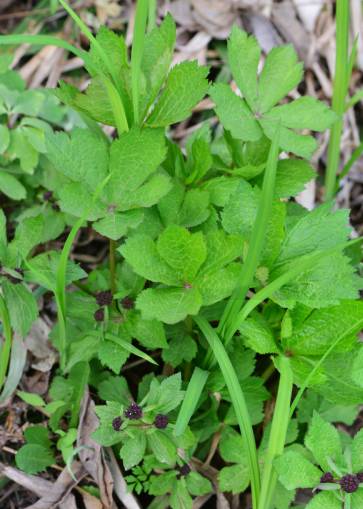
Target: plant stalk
340,87
142,10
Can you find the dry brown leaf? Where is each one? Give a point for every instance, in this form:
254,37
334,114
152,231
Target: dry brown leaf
128,499
91,453
38,344
33,483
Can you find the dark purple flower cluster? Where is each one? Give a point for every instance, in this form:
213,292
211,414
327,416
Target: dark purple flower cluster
184,470
104,298
161,421
99,315
128,303
360,477
133,412
349,483
327,477
116,423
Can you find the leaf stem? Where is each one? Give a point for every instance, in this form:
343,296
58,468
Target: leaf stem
238,402
341,81
6,346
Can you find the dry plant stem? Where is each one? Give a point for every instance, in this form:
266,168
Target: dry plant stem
339,94
6,346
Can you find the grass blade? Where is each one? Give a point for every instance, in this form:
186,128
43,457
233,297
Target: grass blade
341,80
238,402
257,239
136,54
130,348
279,427
6,346
17,363
191,399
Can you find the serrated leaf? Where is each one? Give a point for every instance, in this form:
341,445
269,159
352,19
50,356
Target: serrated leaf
258,335
244,56
197,484
231,446
37,435
323,441
169,305
4,138
149,333
180,498
82,156
167,395
357,452
216,286
234,113
180,349
289,141
134,157
324,326
22,306
133,449
115,225
141,253
304,113
185,87
162,447
357,370
291,177
112,355
115,388
183,251
34,458
11,187
324,500
235,478
281,73
195,208
295,471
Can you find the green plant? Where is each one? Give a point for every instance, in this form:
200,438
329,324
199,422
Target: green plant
212,269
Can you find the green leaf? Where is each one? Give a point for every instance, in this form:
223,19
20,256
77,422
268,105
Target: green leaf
167,395
295,471
11,187
317,230
234,113
323,326
244,56
221,250
180,498
169,305
183,251
37,435
81,156
112,355
22,306
291,177
162,447
180,349
304,113
4,138
281,73
149,333
161,484
197,484
289,141
115,388
282,498
325,500
31,398
357,370
216,286
133,449
185,87
115,225
195,208
258,335
323,441
156,60
105,434
34,458
235,478
141,253
231,446
357,452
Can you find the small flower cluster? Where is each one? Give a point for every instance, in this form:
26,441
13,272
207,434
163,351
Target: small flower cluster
349,482
134,412
103,299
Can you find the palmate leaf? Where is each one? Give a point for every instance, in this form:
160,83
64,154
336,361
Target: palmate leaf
324,500
323,441
295,471
248,117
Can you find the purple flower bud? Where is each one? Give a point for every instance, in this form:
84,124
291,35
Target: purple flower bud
116,423
99,315
47,195
349,483
133,412
184,470
359,476
327,477
128,303
161,421
104,298
55,207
